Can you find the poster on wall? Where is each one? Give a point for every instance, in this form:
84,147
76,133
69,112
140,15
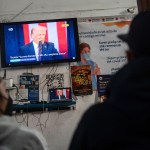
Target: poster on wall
29,87
102,83
81,80
99,45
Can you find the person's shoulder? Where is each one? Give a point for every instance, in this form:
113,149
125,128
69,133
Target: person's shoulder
95,111
49,43
29,133
50,46
104,118
99,112
34,137
97,108
24,47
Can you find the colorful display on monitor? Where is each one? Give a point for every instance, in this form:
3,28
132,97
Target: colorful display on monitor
60,94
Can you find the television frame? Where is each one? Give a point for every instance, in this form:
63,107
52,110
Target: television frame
19,64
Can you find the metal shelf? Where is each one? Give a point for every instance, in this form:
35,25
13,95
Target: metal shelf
38,106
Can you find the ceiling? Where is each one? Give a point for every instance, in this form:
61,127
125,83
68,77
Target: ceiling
34,6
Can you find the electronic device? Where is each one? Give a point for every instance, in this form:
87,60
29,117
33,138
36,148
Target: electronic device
60,94
39,42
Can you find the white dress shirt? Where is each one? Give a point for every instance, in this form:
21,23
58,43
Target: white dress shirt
36,49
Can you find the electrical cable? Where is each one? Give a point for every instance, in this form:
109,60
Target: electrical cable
18,93
52,74
43,102
47,82
41,125
26,118
43,90
39,121
23,118
48,74
47,119
39,118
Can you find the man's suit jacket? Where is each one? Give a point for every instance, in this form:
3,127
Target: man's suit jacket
47,48
61,97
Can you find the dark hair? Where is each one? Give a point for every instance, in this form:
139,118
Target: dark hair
83,45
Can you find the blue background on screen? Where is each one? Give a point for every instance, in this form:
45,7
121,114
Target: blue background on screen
14,38
71,43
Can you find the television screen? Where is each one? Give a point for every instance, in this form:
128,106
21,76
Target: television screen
39,42
59,94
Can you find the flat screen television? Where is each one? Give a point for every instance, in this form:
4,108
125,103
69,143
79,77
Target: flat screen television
39,42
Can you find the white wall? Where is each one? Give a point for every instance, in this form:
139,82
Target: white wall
61,124
47,9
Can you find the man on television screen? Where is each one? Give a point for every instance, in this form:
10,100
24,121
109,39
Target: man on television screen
60,95
38,49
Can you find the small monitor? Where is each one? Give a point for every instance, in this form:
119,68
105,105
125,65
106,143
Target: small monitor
60,94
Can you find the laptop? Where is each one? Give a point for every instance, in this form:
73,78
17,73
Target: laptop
60,95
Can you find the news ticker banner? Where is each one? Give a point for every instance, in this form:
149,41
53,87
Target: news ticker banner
107,50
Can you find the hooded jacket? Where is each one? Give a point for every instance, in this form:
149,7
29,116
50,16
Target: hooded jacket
14,137
123,121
